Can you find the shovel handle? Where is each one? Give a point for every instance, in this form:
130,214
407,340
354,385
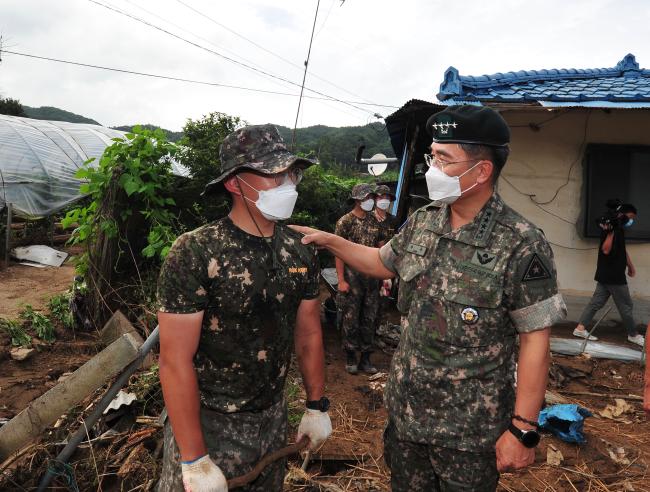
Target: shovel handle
266,460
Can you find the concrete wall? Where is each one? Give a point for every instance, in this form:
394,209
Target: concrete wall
539,164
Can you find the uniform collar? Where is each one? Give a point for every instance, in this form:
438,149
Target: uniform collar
477,232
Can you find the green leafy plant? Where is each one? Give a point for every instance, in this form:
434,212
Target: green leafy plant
60,309
19,337
39,322
139,165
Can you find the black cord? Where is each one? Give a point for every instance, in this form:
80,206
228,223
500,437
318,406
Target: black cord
580,151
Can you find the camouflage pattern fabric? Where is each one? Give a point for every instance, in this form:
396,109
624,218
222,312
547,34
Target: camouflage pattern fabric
361,190
258,148
249,289
437,469
358,308
465,295
235,442
387,227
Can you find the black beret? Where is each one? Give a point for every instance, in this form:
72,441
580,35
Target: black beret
469,124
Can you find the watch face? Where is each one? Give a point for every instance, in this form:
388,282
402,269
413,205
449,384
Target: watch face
530,438
324,404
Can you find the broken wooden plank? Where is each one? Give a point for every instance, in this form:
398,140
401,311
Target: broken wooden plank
42,412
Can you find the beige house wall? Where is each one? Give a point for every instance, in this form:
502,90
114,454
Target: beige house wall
539,164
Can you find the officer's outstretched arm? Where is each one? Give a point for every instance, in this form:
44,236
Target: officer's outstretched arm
361,258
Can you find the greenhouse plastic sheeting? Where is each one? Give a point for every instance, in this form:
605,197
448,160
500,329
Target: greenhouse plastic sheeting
38,161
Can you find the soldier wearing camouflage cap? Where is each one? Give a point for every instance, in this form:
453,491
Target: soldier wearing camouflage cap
475,277
383,199
235,296
358,295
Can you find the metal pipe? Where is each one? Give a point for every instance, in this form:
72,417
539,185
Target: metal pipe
8,234
108,397
584,344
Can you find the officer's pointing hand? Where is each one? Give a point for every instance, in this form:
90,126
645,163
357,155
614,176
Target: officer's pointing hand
202,475
316,425
512,454
312,236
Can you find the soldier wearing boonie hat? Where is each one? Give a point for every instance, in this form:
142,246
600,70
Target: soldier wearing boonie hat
358,295
475,276
235,296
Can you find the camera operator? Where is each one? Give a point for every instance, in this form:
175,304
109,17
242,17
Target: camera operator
610,272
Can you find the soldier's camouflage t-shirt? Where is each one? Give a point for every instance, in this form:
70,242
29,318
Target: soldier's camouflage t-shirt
361,230
249,299
465,295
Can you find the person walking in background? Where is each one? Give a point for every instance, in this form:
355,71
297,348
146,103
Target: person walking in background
358,295
613,260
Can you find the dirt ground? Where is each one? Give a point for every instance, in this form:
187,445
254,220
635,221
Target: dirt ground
352,459
21,284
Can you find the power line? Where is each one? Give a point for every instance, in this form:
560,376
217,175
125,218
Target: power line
166,77
257,45
304,77
232,60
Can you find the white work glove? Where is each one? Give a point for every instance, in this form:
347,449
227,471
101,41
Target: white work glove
202,475
316,425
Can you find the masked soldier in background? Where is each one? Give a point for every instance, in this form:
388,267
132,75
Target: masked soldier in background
475,278
358,294
387,222
234,297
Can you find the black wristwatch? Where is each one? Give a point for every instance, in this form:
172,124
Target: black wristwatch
529,438
323,404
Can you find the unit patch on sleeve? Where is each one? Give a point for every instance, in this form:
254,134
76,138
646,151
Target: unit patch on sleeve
536,270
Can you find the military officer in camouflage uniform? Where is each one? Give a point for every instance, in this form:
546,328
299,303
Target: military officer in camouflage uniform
358,295
475,278
234,297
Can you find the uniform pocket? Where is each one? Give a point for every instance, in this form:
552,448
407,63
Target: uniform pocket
474,312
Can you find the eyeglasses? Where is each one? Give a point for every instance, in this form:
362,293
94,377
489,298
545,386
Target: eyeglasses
433,161
294,174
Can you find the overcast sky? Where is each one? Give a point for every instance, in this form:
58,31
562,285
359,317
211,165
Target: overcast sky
377,51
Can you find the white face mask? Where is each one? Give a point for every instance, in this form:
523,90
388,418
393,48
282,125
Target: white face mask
367,205
444,188
276,203
383,204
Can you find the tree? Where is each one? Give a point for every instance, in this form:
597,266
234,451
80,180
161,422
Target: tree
202,141
12,107
200,154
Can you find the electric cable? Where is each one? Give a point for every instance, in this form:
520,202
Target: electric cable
266,50
575,161
221,55
304,78
166,77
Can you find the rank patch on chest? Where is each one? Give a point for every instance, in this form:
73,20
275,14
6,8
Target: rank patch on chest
416,249
302,270
469,315
536,270
484,259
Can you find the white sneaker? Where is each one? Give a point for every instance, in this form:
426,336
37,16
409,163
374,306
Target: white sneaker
584,334
638,339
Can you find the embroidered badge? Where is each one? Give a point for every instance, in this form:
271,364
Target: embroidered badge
484,259
536,270
486,222
469,315
416,249
443,127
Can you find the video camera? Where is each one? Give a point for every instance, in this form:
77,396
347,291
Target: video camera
614,217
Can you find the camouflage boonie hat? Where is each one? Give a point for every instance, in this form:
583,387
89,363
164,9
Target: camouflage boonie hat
258,148
360,191
384,190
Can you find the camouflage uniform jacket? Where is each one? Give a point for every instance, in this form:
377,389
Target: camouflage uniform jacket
249,301
366,230
465,295
386,227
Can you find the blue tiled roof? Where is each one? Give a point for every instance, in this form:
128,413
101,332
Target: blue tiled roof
624,83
